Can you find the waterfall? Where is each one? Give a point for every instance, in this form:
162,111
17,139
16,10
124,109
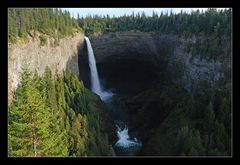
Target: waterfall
124,140
95,82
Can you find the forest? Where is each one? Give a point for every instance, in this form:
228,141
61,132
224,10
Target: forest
209,22
27,21
56,115
174,122
197,22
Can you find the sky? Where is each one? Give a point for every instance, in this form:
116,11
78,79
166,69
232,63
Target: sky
121,11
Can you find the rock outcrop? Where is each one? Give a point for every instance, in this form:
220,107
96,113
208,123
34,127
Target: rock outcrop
37,57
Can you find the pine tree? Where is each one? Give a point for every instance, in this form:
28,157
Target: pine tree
209,117
28,116
49,89
197,143
224,112
33,126
193,152
183,139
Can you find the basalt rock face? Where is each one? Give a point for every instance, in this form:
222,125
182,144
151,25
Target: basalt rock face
126,61
132,61
197,72
56,56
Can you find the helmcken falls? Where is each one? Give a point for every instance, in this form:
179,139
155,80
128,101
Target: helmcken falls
119,83
95,83
125,144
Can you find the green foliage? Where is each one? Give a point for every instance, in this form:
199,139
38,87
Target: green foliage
58,116
209,117
33,128
210,22
171,122
211,47
193,152
55,117
49,21
86,103
43,40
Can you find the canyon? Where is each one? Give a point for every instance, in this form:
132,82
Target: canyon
135,62
130,65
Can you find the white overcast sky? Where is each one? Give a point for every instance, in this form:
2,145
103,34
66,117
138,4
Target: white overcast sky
121,11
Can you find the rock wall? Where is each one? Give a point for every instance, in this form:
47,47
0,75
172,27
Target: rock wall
194,72
124,45
154,52
56,57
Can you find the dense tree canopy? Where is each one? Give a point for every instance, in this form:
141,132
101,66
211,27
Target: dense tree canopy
210,22
26,21
196,23
174,122
54,117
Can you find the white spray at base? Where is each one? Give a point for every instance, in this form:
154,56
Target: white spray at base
95,83
124,141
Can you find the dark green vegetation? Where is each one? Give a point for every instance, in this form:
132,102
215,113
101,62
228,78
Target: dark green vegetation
195,23
172,121
56,116
27,21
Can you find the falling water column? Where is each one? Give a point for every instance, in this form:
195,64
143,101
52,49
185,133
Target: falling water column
95,83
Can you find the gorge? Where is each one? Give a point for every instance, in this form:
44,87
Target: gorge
127,70
125,86
150,64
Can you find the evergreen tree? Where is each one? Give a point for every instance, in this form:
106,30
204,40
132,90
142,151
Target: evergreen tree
197,143
29,119
53,22
48,87
209,117
193,152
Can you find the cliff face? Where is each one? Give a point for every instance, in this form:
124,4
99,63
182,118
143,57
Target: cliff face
56,57
195,72
124,45
126,61
121,56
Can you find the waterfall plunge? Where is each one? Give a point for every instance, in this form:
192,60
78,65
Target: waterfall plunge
124,141
95,83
